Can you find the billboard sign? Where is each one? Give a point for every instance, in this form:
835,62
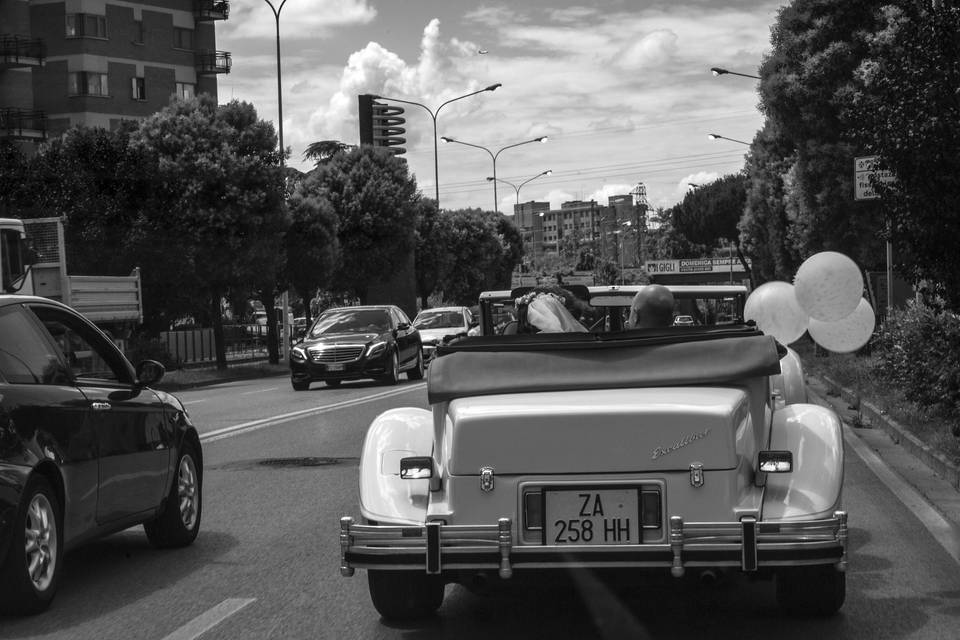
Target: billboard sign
694,265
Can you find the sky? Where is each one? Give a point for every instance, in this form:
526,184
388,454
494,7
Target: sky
621,88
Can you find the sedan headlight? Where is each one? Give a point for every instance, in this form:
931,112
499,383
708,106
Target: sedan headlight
298,354
376,349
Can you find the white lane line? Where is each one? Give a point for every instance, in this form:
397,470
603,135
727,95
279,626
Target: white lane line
939,527
247,393
253,425
195,401
211,618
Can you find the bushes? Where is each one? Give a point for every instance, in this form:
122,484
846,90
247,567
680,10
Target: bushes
918,350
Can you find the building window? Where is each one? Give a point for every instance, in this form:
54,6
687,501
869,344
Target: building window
182,38
186,90
139,89
87,83
85,25
138,31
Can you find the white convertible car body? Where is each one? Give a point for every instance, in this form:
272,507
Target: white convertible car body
681,449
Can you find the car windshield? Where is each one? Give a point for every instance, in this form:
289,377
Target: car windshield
439,320
352,321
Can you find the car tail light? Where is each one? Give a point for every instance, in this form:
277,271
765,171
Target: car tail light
533,511
651,516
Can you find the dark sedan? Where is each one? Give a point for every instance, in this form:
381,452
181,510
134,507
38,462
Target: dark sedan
86,448
350,343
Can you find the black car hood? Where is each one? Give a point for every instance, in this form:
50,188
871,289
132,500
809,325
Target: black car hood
351,338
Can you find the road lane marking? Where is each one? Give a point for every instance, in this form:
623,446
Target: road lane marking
208,620
194,401
253,425
939,527
247,393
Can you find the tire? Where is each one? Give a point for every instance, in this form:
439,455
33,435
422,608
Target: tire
300,385
405,595
393,375
811,591
417,372
31,571
332,383
179,521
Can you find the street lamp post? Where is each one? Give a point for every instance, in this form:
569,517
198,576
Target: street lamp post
433,115
717,71
717,136
493,156
285,344
520,186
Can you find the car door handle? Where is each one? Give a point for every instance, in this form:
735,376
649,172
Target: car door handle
100,406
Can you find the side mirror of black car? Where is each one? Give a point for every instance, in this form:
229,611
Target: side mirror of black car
149,372
403,326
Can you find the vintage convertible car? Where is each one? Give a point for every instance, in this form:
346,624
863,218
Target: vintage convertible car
683,449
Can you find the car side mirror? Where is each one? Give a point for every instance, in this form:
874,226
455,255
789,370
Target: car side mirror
149,372
403,326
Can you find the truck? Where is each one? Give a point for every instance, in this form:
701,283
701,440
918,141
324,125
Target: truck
33,262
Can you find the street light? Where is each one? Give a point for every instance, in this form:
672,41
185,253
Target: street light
520,186
717,136
283,298
493,156
717,71
433,114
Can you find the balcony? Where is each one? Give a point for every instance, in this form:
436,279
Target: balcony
207,10
213,62
23,124
17,51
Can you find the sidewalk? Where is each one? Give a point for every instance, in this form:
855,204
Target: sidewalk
180,379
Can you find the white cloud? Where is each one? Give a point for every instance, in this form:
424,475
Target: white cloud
254,19
654,49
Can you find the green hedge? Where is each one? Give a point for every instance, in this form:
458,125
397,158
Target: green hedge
919,352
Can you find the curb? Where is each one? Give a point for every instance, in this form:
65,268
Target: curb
898,433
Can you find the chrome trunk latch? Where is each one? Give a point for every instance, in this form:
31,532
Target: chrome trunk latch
696,474
486,479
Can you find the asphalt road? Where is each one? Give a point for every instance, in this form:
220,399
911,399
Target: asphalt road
281,468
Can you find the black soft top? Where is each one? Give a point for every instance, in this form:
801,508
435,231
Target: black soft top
488,365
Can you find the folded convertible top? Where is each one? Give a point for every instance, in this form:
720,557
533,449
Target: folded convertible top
567,361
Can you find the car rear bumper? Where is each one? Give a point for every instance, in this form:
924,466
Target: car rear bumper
748,545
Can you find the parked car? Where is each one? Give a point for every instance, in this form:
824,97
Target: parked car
87,448
350,343
440,324
683,321
686,450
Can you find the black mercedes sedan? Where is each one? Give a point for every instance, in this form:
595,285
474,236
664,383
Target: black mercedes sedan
349,343
87,448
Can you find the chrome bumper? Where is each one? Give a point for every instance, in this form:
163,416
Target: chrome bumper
748,545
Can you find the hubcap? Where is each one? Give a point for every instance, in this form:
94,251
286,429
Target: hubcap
187,491
41,542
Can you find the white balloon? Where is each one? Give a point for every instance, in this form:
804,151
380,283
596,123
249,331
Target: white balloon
773,306
847,334
828,286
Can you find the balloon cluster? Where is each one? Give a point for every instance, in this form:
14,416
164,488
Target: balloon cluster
825,299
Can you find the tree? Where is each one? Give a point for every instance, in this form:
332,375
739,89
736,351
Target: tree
511,244
432,259
323,150
478,254
311,244
215,218
907,111
808,81
375,199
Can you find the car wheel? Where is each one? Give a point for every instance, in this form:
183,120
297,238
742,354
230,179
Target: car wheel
811,591
393,375
300,385
179,522
332,383
31,570
405,595
417,372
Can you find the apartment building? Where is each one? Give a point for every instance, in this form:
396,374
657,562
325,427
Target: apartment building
100,62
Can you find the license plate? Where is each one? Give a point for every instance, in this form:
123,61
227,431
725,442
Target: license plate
334,367
592,516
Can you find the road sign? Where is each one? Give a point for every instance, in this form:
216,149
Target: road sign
864,170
